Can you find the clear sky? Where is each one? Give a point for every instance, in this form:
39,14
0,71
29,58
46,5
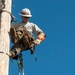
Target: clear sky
56,54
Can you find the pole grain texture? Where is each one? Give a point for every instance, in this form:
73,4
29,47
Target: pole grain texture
5,24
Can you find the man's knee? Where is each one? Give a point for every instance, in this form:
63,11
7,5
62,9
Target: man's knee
14,52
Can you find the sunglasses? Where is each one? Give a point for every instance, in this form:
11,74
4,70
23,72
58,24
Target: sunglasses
26,17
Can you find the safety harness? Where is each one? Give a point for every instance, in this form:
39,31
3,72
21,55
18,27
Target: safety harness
20,35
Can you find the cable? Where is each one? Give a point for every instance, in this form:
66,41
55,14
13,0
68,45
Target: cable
19,63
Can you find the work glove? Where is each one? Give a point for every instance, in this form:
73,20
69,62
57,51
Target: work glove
37,41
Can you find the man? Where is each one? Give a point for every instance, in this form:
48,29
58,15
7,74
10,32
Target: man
22,34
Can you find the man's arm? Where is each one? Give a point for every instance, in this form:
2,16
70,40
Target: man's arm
40,34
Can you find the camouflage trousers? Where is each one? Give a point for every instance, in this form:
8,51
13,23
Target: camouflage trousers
21,43
17,48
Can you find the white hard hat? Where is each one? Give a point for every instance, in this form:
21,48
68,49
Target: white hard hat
25,12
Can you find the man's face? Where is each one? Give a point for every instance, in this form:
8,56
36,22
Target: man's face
25,19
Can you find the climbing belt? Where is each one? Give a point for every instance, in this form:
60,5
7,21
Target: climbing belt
13,18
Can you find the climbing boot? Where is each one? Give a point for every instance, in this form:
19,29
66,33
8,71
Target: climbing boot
32,48
32,51
13,55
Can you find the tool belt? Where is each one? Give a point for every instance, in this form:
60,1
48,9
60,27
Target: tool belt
19,33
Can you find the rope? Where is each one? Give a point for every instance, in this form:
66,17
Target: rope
4,53
13,17
19,63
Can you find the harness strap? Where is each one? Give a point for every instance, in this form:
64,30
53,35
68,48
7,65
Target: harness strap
13,17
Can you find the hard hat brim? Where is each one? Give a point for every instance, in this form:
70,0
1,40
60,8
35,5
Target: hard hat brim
25,15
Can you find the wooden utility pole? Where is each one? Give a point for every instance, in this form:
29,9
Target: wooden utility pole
4,38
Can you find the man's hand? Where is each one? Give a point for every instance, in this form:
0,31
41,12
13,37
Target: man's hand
37,41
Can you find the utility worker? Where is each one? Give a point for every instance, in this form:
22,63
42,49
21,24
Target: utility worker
21,41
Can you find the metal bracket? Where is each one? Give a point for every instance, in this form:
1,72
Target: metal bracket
2,4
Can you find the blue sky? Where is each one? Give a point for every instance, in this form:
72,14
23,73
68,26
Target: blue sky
57,52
